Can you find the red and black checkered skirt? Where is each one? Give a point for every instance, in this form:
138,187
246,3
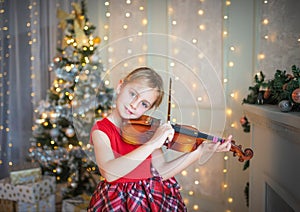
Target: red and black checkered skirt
151,194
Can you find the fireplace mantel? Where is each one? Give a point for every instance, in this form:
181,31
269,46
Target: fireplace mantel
275,166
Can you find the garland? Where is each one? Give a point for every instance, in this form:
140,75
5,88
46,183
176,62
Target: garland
283,90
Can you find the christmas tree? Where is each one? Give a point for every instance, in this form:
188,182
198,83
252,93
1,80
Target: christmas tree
77,97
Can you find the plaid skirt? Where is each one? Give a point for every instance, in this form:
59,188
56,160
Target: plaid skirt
151,194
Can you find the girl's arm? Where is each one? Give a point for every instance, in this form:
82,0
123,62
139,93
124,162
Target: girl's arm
202,153
113,168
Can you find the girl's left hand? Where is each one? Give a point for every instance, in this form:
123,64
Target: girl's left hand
207,149
225,147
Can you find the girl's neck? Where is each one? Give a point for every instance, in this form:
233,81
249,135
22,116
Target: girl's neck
115,118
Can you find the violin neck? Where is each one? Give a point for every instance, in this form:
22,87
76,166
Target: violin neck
212,138
196,133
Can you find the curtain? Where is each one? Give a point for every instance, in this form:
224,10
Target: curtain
16,107
28,39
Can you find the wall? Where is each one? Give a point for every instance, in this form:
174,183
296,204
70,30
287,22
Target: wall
212,50
278,36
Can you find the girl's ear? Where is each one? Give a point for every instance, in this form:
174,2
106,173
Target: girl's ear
119,86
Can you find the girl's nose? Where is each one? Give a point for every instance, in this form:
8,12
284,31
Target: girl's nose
134,103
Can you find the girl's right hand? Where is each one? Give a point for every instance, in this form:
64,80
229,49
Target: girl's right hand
163,132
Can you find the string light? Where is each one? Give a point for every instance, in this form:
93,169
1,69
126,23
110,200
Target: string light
127,15
200,12
265,21
202,27
229,112
144,22
230,200
184,173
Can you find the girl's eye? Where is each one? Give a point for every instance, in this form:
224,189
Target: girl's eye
133,94
145,105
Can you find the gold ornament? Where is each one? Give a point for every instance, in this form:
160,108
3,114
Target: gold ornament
97,40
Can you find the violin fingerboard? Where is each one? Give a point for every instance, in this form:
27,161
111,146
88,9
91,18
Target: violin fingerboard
215,139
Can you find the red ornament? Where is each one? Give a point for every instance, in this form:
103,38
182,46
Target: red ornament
267,93
296,95
243,120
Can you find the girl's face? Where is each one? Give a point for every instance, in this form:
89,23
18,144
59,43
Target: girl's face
135,99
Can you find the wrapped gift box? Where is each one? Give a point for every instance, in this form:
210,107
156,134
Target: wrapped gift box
30,193
76,204
25,176
44,205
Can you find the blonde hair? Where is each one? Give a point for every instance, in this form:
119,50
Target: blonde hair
150,78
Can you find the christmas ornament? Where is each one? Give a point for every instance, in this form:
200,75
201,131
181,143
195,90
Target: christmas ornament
73,185
260,99
70,132
97,40
296,95
64,140
245,124
285,106
54,132
267,94
59,170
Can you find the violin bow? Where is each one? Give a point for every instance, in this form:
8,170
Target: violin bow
169,101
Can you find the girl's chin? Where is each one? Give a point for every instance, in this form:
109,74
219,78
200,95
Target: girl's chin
127,116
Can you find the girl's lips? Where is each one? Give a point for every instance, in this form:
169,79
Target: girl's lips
128,111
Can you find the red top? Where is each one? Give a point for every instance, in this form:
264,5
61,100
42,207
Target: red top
119,147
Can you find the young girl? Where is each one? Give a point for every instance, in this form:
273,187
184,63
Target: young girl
136,176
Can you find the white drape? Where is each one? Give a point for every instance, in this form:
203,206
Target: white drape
28,43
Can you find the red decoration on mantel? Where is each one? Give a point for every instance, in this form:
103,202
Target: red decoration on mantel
296,95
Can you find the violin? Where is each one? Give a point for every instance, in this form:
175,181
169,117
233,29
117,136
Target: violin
185,139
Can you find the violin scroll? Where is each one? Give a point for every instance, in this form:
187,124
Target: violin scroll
245,155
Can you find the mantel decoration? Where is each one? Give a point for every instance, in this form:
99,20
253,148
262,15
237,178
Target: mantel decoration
283,90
